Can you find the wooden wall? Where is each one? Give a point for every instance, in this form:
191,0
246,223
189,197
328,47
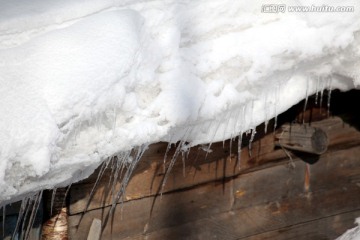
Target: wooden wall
264,197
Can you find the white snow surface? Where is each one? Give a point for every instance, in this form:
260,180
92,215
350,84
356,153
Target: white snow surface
83,80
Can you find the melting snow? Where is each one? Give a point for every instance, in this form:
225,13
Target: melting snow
84,80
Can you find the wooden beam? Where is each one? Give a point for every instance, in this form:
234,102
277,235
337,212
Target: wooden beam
302,138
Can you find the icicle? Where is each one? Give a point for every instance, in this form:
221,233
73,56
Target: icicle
243,117
253,132
23,209
205,148
306,100
140,153
113,169
239,149
129,170
188,152
230,145
322,93
118,172
121,192
35,207
52,201
213,137
241,114
3,219
66,193
227,125
317,90
173,160
275,124
165,155
252,111
22,232
237,121
120,162
329,96
266,126
275,106
266,113
64,200
181,145
183,163
100,174
171,165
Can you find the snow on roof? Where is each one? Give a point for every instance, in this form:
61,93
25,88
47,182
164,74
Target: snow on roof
83,80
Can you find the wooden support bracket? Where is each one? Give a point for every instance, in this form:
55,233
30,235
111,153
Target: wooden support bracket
302,138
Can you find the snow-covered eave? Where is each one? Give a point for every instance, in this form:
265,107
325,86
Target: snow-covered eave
231,124
81,86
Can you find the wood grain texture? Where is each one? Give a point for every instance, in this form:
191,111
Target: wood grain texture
319,229
303,138
265,199
200,167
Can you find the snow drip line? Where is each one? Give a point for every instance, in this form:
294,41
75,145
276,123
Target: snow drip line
123,164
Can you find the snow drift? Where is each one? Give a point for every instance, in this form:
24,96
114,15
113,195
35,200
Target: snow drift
81,81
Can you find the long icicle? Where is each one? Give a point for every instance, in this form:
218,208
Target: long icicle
3,224
52,201
239,149
173,160
101,172
317,90
329,96
306,100
35,207
253,132
113,169
25,218
140,151
23,206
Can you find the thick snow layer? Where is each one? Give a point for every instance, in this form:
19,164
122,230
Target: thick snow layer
82,80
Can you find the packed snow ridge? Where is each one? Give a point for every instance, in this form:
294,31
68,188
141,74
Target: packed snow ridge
83,80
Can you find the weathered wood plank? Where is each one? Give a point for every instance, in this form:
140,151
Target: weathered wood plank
318,229
259,219
229,226
253,203
148,177
200,167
